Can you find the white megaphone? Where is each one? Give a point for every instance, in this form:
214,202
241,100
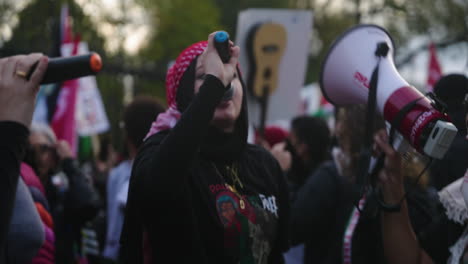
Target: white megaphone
345,80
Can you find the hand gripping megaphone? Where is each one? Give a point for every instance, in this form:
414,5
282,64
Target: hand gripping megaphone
362,58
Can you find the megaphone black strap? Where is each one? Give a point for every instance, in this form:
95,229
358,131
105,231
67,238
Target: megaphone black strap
362,179
396,122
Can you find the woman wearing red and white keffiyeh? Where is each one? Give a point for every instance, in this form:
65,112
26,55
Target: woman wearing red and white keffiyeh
198,192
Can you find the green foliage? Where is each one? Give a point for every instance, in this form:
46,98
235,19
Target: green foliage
38,28
111,89
177,24
152,88
329,27
230,10
7,12
439,18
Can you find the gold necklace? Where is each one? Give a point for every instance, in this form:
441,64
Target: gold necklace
233,173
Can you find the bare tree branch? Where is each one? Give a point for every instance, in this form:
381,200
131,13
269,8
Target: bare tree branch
408,57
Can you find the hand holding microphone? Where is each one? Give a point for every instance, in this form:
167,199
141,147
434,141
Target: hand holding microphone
20,77
222,45
17,94
220,59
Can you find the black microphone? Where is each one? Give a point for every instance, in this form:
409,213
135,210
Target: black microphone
67,68
221,43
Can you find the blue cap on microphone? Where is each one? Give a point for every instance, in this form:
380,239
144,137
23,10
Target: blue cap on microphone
221,36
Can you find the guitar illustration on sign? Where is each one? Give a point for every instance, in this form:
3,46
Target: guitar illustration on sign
266,44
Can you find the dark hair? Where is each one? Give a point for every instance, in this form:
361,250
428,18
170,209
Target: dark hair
138,116
451,89
314,132
104,144
352,132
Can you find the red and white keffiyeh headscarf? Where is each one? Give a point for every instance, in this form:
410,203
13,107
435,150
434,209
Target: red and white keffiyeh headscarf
168,119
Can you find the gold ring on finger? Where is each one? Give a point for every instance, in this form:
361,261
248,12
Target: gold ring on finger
21,74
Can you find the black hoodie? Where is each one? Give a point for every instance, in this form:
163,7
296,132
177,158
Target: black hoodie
198,195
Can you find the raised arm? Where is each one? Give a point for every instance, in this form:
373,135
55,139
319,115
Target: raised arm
160,167
17,98
400,242
82,200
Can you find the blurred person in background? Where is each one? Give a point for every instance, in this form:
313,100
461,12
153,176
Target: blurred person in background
104,161
451,89
199,193
323,205
308,146
272,135
299,155
71,196
137,119
97,169
21,230
36,190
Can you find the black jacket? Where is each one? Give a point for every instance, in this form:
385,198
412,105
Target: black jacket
453,165
71,210
320,215
323,208
181,194
13,141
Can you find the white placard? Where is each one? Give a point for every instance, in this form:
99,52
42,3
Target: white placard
285,102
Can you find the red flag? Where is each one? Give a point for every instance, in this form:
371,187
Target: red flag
63,121
434,71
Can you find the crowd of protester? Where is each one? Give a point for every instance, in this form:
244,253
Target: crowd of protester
190,188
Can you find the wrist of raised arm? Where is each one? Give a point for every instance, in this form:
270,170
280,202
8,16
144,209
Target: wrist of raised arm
393,193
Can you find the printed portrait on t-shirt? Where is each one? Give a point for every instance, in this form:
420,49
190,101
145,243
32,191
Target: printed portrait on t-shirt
249,223
227,210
